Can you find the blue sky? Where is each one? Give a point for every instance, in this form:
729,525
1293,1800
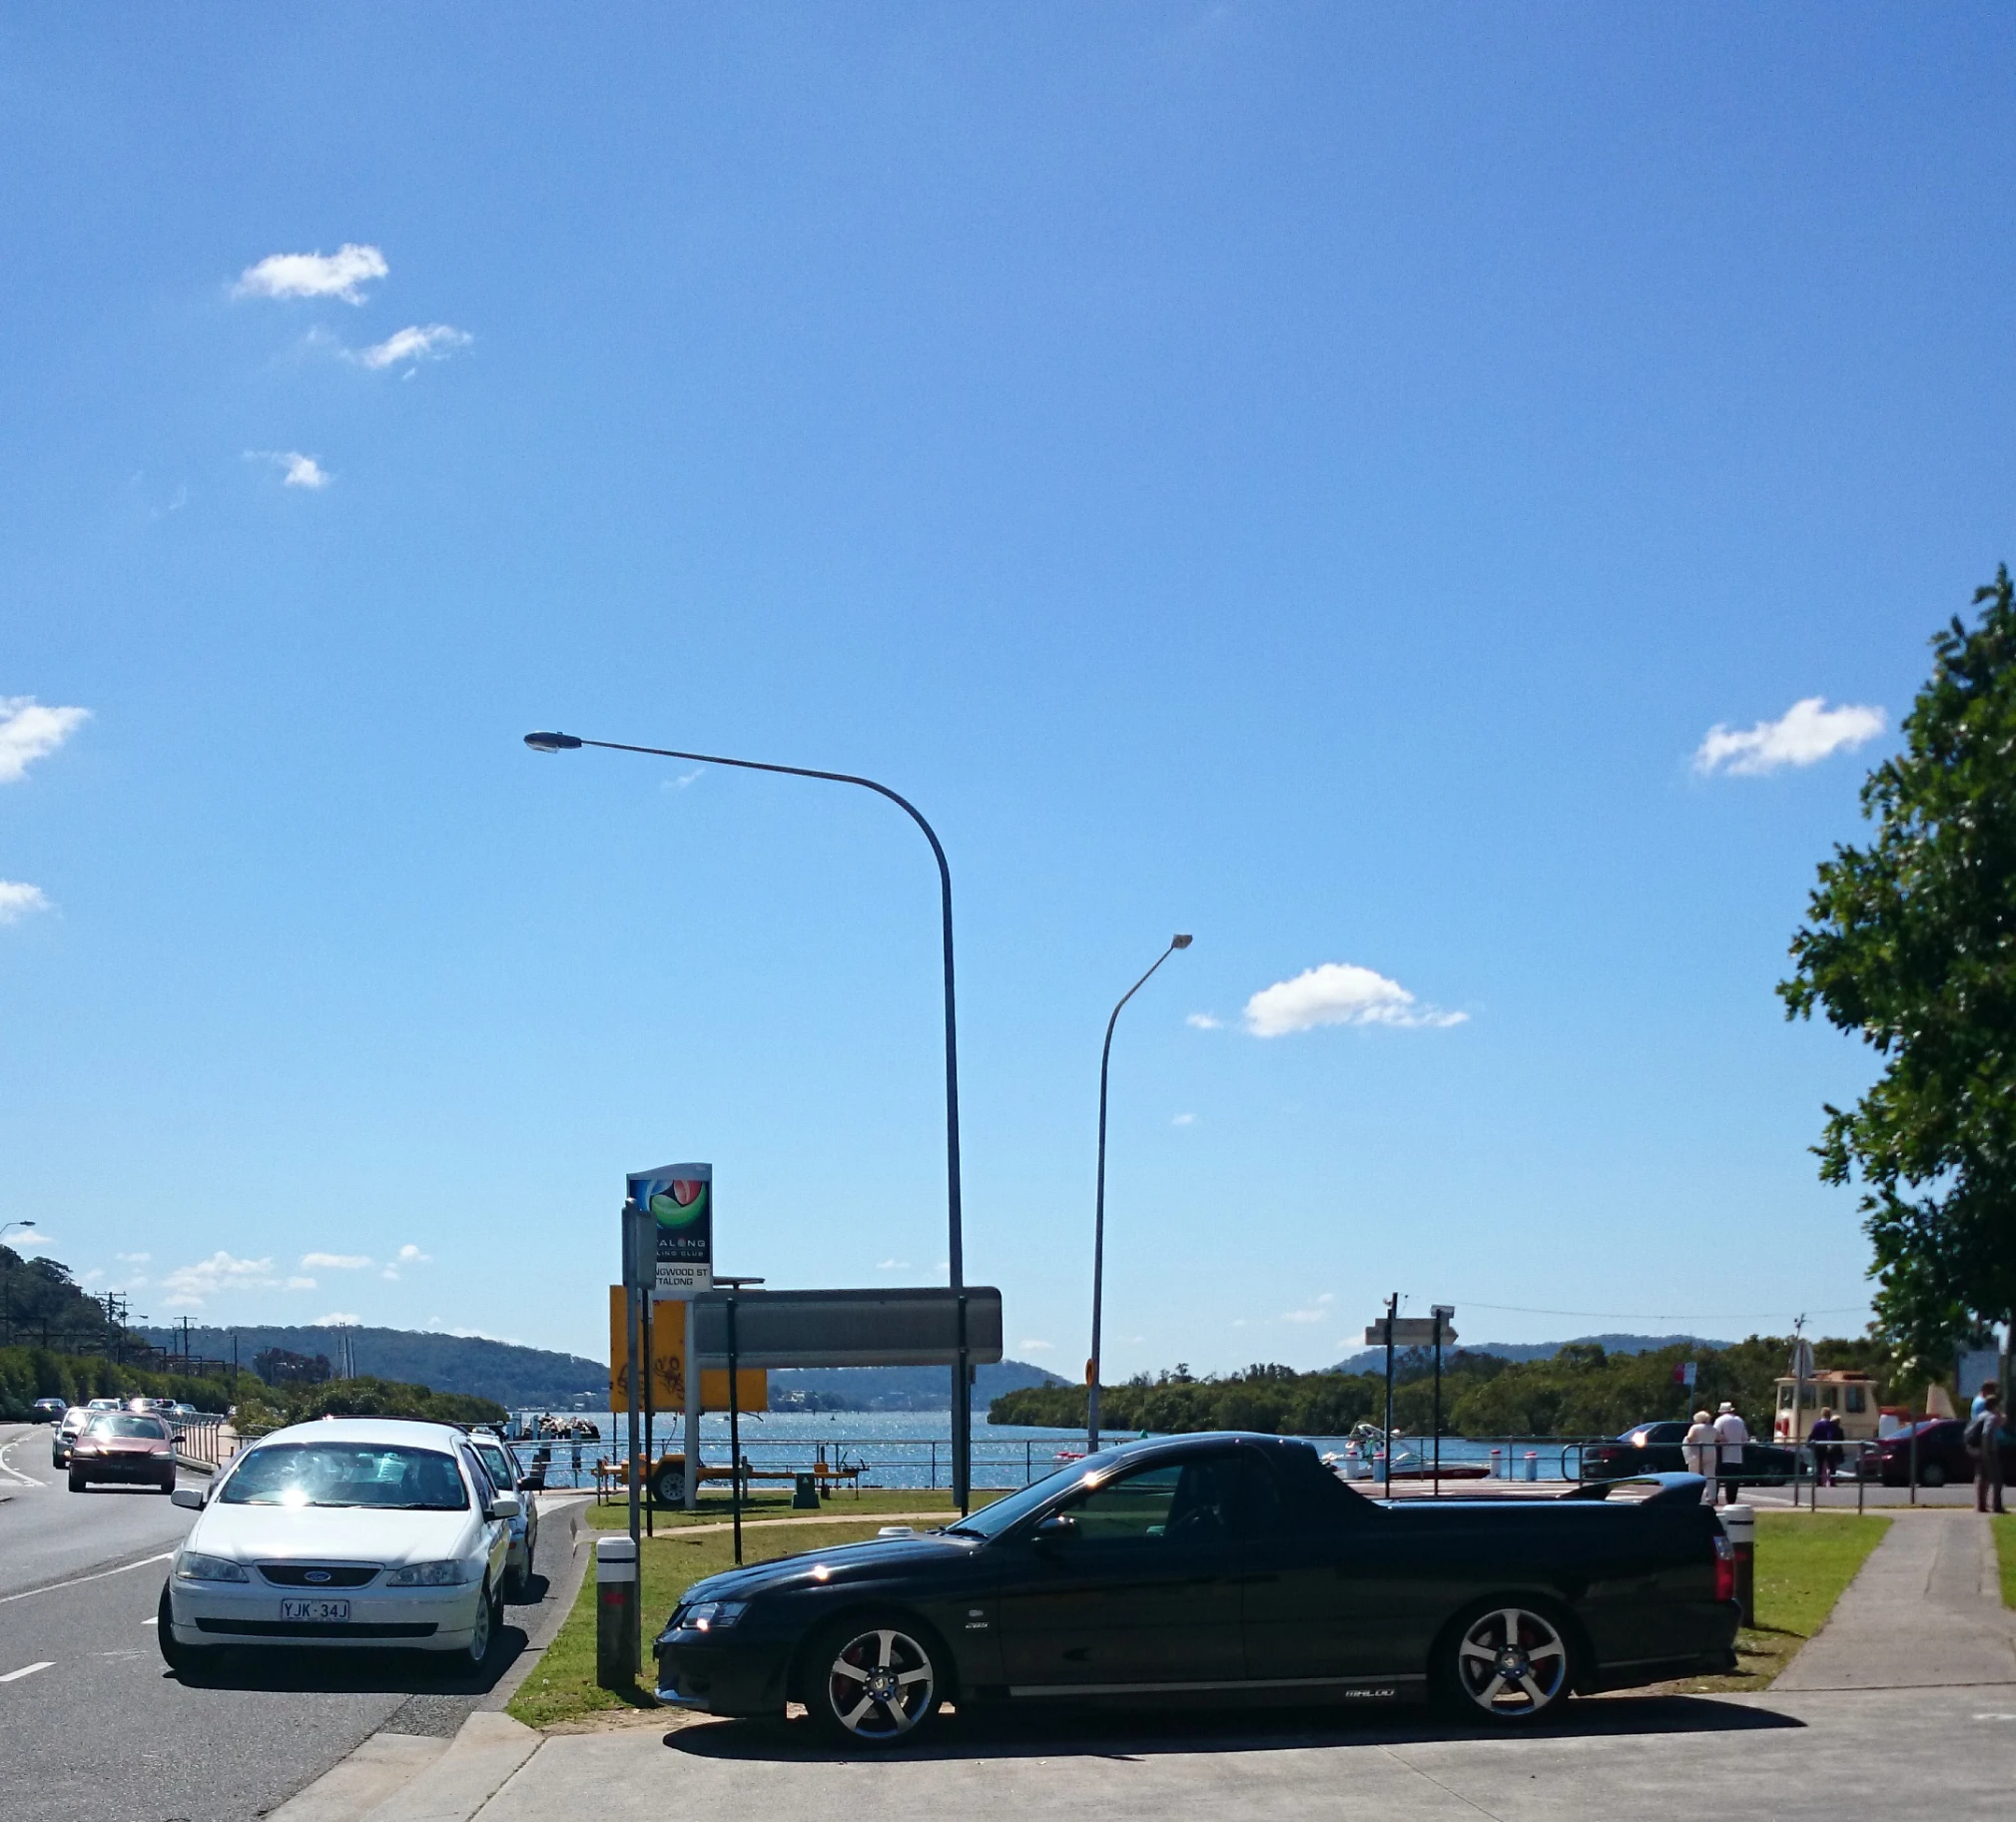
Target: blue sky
1313,477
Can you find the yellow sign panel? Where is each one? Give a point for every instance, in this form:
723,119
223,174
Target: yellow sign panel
668,1362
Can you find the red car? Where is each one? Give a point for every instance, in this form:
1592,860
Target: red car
119,1445
1942,1456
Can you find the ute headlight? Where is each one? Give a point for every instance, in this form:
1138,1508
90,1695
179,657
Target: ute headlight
193,1565
430,1576
711,1615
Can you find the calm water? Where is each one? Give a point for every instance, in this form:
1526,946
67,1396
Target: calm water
914,1448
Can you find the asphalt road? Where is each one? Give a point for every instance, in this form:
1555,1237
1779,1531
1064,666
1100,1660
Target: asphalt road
93,1728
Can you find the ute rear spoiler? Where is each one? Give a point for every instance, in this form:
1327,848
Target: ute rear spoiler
1668,1489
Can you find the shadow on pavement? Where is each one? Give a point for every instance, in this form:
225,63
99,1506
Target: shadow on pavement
1114,1733
359,1671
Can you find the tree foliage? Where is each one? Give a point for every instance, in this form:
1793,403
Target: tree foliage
1911,944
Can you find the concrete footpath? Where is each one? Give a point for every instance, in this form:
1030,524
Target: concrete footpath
1905,1703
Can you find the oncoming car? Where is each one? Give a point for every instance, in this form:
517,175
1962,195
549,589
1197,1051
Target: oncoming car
117,1446
371,1532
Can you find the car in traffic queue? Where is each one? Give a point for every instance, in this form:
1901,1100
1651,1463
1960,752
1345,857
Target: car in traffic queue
507,1475
347,1532
1658,1448
1940,1455
64,1436
49,1410
1221,1568
119,1446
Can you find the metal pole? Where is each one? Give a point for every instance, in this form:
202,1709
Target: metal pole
692,1376
630,1415
733,1433
1438,1405
650,1372
1392,1316
1099,1206
956,1248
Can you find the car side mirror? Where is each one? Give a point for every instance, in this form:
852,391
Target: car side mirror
1058,1527
505,1506
189,1496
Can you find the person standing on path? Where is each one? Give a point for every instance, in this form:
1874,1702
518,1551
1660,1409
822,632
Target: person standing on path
1827,1429
1734,1434
1984,1444
1699,1454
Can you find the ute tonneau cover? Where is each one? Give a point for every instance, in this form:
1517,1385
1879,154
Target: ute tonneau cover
1668,1489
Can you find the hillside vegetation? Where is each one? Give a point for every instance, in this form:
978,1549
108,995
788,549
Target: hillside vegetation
1580,1391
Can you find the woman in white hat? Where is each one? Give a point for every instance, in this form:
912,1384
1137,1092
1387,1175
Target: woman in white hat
1699,1455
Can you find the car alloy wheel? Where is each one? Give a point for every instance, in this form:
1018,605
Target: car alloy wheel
1511,1662
1931,1475
873,1684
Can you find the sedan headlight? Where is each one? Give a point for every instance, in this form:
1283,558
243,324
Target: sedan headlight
711,1615
430,1576
192,1566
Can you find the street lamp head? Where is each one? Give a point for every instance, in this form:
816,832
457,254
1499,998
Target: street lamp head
1179,942
551,743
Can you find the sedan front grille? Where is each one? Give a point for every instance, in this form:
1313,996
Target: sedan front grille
318,1575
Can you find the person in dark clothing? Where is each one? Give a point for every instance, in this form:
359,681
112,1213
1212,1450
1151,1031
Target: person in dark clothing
1827,1429
1984,1444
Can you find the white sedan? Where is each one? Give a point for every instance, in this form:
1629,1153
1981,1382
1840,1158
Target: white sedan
348,1531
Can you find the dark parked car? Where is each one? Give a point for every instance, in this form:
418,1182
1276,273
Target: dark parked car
50,1409
1220,1567
1656,1449
119,1445
1942,1455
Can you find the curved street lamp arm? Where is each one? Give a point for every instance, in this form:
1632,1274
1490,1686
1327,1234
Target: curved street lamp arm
1099,1208
956,1248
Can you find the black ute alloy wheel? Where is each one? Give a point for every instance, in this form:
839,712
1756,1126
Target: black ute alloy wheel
1508,1661
874,1681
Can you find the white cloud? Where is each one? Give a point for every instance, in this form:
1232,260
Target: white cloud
334,1262
132,1258
300,1284
1321,1312
1803,735
683,780
30,730
18,899
1203,1022
1184,1119
391,1272
894,1265
337,1319
437,342
1338,993
313,274
410,1254
1037,1346
189,1285
296,469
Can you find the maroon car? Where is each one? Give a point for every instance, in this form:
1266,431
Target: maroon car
1942,1454
120,1446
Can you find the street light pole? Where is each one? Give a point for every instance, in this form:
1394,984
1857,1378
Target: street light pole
962,1411
1099,1206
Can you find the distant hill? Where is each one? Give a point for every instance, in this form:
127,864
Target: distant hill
1373,1360
896,1388
534,1377
499,1370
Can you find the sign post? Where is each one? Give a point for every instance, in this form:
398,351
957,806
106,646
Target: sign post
679,1198
1443,1314
1395,1330
637,1275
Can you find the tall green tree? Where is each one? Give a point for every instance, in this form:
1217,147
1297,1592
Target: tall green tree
1912,943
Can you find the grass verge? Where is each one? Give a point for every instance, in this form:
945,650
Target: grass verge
563,1687
2005,1552
1803,1564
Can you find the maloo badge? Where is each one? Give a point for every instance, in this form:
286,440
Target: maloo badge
315,1576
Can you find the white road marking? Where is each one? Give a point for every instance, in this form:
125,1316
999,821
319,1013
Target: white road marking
14,1473
14,1676
78,1581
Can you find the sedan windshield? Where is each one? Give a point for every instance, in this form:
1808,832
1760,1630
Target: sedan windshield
992,1520
151,1428
346,1474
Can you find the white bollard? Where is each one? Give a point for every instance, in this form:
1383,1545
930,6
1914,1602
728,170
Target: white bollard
1532,1464
1496,1464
